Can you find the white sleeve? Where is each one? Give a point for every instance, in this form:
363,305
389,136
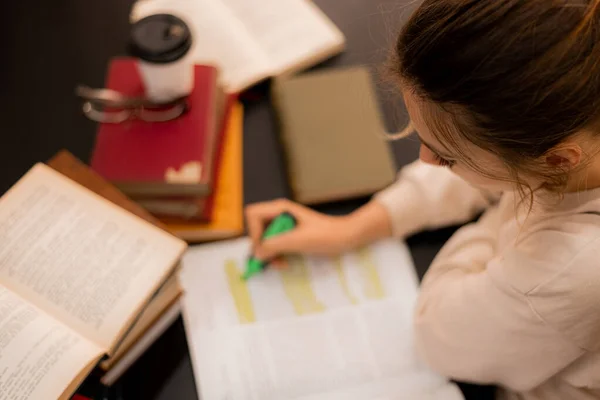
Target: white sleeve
473,325
427,197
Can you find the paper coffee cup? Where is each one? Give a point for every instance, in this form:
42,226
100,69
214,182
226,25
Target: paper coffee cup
162,45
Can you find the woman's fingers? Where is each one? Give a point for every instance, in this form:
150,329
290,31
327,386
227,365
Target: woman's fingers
258,215
278,263
289,242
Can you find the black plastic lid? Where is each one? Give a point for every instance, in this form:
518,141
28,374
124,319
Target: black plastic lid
160,38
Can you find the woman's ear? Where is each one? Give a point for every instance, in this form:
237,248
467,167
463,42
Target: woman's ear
567,156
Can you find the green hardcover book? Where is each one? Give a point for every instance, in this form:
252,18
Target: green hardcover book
333,135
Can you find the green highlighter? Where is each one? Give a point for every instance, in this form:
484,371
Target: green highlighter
283,223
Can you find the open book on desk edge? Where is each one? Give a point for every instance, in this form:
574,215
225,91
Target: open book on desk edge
321,328
166,319
75,272
251,40
154,316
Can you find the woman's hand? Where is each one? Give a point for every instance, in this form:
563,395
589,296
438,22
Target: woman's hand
315,233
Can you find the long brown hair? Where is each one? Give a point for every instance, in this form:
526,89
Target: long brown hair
515,77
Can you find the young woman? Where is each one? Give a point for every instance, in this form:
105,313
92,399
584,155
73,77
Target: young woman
505,98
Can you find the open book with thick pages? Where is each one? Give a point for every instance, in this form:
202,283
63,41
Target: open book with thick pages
164,307
251,40
76,272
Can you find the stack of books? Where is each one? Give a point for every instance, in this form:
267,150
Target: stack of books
88,277
188,171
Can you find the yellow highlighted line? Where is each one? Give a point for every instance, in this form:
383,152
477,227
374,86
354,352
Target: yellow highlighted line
373,287
239,293
339,269
298,289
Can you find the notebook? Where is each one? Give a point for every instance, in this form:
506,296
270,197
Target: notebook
76,272
333,135
251,40
228,214
172,158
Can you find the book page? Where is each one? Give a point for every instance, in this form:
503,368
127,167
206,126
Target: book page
294,34
218,39
162,300
78,257
39,356
322,328
166,319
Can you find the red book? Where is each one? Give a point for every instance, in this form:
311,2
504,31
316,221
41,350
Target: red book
198,209
172,158
223,127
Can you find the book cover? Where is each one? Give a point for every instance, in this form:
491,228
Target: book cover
227,218
332,132
188,208
172,158
193,209
227,119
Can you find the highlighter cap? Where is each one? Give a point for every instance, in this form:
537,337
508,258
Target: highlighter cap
253,267
283,223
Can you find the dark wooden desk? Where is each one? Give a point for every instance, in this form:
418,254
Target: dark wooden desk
51,46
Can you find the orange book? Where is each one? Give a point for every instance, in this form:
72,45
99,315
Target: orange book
228,217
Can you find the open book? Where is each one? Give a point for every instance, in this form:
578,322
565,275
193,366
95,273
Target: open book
319,329
75,273
162,310
250,40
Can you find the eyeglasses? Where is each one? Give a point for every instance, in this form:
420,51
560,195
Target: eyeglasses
110,106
